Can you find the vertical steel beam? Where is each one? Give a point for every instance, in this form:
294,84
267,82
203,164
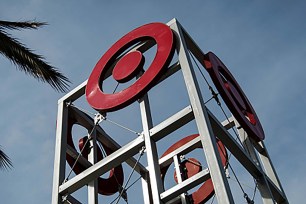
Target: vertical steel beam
92,158
179,178
262,184
208,140
152,156
270,171
60,151
151,180
146,189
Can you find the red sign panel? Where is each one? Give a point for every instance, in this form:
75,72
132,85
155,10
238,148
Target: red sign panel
234,97
106,186
192,166
126,66
129,66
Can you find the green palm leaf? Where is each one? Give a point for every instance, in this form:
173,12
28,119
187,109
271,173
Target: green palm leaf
19,25
5,162
29,62
26,60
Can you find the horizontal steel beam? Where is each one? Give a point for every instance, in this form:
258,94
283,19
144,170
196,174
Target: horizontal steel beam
74,94
102,166
164,128
71,200
184,149
104,138
74,154
124,152
185,185
229,123
173,123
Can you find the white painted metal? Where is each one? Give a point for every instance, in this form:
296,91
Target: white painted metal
172,123
187,184
208,139
151,151
184,149
244,159
74,94
146,190
60,152
262,184
71,200
102,166
153,191
179,177
271,173
271,177
92,158
104,138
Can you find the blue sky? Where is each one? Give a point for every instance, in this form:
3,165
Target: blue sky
263,43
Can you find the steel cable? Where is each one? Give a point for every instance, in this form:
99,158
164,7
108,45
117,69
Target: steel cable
129,178
215,96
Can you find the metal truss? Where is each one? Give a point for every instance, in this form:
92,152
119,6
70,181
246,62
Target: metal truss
253,157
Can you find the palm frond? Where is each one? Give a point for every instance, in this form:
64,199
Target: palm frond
31,63
21,25
5,162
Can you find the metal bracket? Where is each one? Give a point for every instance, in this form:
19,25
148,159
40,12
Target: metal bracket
99,118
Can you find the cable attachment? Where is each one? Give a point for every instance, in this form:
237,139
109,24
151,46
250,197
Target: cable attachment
227,173
64,198
214,95
123,193
142,150
182,158
68,104
99,118
248,200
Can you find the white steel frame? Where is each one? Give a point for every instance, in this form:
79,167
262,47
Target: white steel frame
255,160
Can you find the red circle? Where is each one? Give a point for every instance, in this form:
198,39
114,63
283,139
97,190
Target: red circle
163,37
234,97
106,186
127,66
206,191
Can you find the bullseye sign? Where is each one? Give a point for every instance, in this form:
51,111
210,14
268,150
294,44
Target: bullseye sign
129,66
233,96
106,186
97,157
97,160
192,166
125,66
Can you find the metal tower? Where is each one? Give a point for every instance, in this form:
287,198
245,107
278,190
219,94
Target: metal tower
171,39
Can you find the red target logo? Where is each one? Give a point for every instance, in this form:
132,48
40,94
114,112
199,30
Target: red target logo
129,66
234,97
106,186
192,166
